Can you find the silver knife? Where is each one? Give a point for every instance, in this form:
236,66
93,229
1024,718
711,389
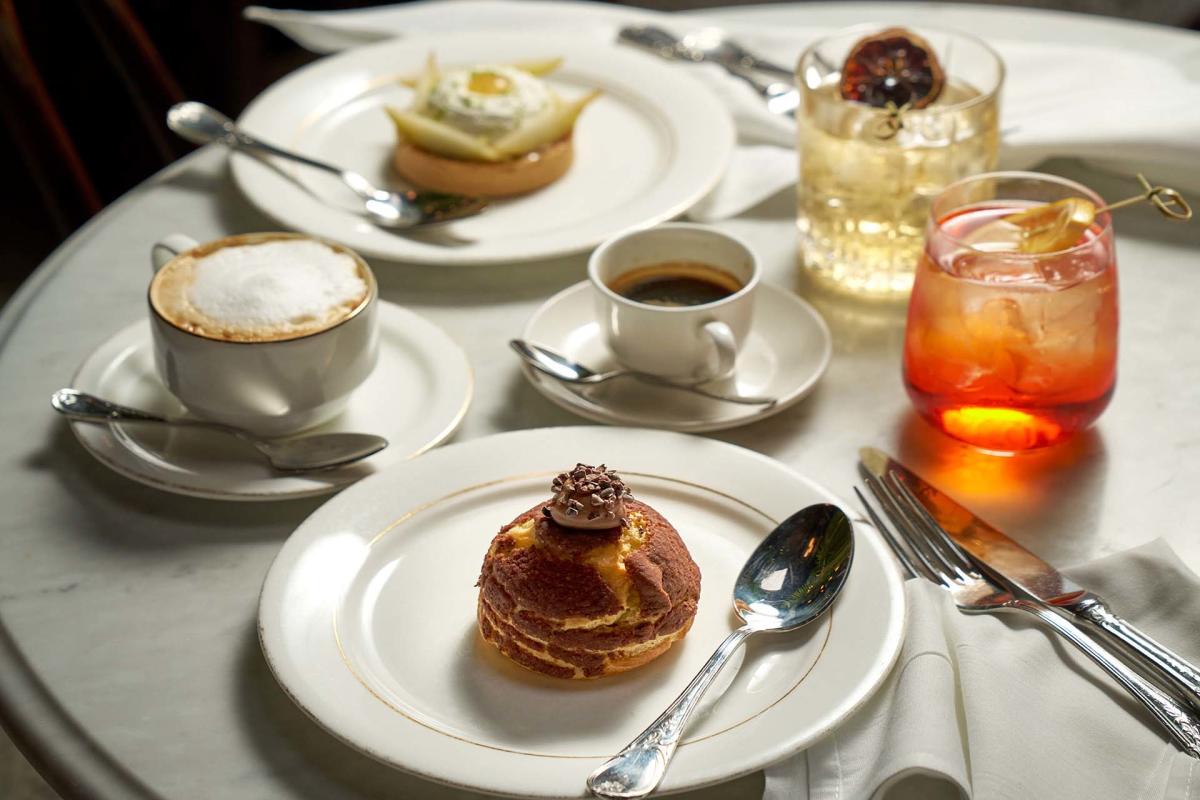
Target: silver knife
1015,567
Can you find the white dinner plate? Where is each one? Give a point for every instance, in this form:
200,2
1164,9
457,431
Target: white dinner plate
654,143
367,618
785,355
416,398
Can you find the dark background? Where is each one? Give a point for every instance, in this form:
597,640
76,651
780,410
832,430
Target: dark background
75,49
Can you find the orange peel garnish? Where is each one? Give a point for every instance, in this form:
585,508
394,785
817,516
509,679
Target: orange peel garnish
1053,226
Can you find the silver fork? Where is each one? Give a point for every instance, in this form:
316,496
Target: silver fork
712,46
928,552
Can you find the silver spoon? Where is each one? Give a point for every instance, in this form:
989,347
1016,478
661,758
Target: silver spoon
301,454
202,124
556,365
790,579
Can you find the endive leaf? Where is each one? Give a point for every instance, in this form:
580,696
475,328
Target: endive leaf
424,85
549,125
440,138
537,67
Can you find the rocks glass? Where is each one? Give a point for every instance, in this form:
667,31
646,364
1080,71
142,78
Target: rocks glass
868,174
1011,350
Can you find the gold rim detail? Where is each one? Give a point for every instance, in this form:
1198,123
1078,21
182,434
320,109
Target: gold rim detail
410,514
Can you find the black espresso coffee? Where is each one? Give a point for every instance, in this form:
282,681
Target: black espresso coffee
676,283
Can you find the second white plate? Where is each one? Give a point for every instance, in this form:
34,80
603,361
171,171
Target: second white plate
367,618
652,145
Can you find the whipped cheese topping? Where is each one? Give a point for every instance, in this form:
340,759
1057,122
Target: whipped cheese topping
487,99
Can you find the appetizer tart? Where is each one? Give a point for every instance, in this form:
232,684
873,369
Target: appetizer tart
588,583
489,130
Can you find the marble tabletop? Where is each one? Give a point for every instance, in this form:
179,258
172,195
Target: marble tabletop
129,664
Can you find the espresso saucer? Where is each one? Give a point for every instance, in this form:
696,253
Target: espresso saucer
786,353
415,398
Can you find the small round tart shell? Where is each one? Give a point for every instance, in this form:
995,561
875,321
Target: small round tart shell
519,175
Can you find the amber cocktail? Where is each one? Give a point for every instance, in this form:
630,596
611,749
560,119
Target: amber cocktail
871,166
1009,347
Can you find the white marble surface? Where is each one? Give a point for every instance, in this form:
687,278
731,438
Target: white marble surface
136,608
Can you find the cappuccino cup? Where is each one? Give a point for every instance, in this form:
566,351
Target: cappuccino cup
270,332
675,300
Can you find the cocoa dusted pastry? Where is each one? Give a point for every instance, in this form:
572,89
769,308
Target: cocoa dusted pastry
589,583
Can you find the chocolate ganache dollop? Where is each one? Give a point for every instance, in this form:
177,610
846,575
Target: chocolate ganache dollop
588,498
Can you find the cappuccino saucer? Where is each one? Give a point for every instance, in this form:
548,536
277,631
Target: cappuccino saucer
786,353
416,398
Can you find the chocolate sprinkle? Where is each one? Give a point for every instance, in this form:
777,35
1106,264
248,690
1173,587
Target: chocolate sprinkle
598,489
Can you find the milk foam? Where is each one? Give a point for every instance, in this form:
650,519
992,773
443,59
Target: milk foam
256,292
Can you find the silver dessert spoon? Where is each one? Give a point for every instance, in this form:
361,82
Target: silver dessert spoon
299,454
556,365
203,124
790,579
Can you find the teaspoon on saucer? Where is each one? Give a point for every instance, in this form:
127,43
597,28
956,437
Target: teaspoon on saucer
202,124
300,454
556,365
789,580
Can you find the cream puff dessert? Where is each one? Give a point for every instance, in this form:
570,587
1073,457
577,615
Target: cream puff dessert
588,583
489,130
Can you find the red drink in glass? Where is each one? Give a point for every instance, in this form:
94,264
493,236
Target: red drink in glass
1010,350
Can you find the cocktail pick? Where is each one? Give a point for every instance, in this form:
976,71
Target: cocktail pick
1168,201
1058,225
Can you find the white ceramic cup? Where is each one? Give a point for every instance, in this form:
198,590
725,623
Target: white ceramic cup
684,343
271,388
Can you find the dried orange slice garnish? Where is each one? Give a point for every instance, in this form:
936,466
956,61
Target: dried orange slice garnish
894,66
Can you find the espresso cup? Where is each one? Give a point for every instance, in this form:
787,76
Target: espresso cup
272,379
695,340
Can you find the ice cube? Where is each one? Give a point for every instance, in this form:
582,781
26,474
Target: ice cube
1069,269
1000,338
998,319
997,268
997,236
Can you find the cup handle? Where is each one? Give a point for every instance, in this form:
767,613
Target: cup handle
168,247
725,345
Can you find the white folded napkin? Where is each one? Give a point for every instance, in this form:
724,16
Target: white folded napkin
995,706
1062,100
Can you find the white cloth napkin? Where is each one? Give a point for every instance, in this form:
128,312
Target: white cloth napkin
995,707
1062,100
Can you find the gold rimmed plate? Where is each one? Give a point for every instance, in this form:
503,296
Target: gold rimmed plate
654,143
367,618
